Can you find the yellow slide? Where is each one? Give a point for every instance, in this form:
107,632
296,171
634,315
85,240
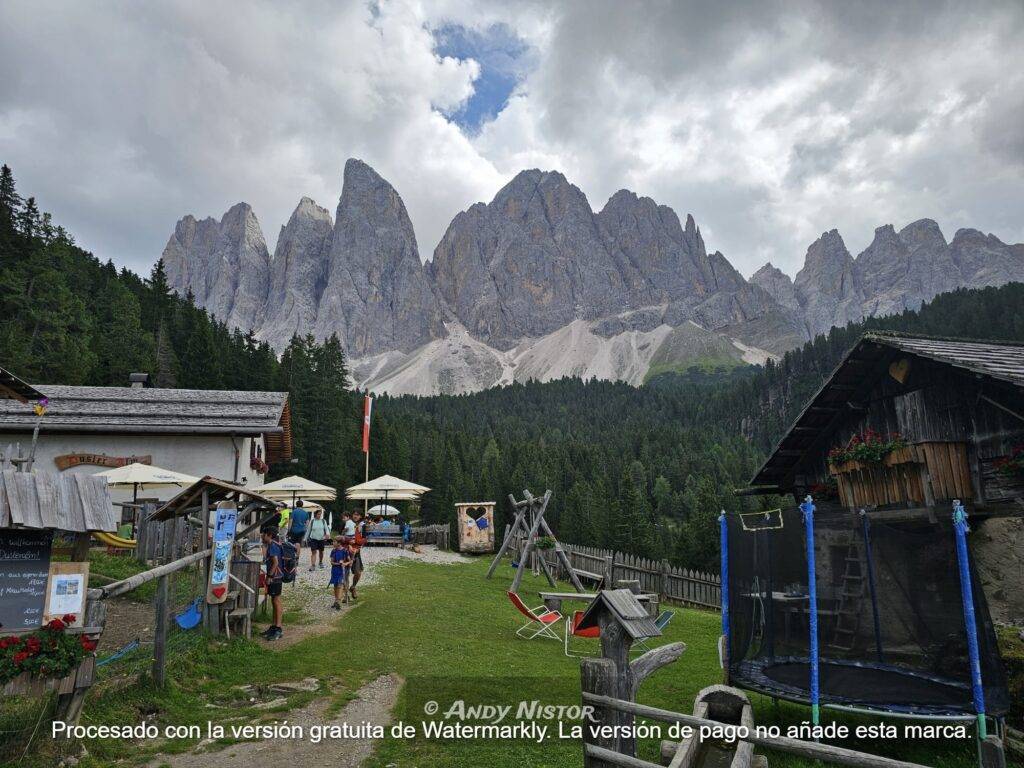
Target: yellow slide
112,540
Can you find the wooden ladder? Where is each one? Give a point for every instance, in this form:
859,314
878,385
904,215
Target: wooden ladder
851,593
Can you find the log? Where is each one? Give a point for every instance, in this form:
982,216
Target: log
508,538
160,631
654,660
806,749
599,677
134,582
992,754
599,756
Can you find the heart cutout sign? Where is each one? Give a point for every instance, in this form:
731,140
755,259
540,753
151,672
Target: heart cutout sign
218,592
900,369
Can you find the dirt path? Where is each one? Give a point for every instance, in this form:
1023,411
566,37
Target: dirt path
372,705
310,593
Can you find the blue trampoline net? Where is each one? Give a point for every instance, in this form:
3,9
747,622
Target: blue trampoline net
891,629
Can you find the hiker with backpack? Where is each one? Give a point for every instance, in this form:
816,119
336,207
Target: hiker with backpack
298,521
341,562
357,557
273,557
317,539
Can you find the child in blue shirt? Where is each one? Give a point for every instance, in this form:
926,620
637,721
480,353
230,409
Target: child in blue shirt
341,561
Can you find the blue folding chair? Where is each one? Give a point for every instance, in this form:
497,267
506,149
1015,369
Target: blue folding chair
661,622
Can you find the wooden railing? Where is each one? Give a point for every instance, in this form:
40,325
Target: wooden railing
440,535
672,583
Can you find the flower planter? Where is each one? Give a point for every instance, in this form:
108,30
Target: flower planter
916,475
27,684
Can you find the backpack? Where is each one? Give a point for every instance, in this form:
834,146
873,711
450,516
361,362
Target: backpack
289,562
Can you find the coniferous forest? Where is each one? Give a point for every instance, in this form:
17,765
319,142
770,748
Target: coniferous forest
642,470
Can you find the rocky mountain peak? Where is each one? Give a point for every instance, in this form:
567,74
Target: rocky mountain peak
224,264
985,260
827,285
923,233
537,277
776,284
298,273
376,294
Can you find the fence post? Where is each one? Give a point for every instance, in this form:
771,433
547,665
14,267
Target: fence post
992,754
609,571
160,631
663,591
599,676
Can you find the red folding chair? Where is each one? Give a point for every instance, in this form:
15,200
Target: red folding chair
540,619
572,630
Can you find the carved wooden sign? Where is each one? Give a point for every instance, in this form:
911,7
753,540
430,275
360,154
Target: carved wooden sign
68,460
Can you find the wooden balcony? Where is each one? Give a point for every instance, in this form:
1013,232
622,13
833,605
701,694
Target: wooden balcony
917,475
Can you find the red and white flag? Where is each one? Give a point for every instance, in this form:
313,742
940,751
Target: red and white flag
367,407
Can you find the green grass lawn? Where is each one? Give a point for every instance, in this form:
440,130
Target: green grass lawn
448,632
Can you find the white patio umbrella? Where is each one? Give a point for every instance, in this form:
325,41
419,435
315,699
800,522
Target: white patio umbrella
388,488
291,488
144,476
384,510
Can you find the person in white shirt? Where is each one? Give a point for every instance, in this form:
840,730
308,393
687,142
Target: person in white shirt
316,538
348,526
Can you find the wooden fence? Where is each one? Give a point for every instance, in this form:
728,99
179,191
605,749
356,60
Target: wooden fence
161,541
439,535
672,583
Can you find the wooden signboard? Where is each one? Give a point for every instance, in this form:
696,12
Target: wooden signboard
476,526
220,563
65,592
68,460
24,570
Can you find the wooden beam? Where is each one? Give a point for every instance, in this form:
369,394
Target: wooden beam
160,631
806,749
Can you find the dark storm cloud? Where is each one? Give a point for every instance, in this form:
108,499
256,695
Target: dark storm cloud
770,121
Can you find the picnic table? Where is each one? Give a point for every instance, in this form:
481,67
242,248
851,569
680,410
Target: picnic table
553,600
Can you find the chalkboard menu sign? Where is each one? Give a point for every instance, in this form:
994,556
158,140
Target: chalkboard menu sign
24,569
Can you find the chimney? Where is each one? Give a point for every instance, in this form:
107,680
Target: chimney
139,381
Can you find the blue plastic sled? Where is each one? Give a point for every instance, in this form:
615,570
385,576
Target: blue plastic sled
191,616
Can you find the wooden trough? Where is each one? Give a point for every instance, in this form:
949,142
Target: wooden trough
722,704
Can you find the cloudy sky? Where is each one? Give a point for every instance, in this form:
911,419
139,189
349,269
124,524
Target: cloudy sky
770,122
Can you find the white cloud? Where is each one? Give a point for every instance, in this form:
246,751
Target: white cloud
770,123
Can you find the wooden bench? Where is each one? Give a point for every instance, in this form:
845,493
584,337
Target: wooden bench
385,539
597,578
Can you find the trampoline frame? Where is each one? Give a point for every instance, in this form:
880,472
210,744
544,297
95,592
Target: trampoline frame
760,682
752,676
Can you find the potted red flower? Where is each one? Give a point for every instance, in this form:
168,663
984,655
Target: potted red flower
47,653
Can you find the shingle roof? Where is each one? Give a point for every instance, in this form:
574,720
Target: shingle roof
216,490
65,502
862,366
1000,360
625,607
142,410
15,389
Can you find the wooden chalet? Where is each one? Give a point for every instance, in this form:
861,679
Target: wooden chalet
957,404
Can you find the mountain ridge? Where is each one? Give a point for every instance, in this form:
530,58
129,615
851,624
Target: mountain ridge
537,267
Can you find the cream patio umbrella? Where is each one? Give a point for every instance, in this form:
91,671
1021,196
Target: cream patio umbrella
387,488
288,489
144,476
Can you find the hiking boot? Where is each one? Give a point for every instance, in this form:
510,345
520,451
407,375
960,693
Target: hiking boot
321,566
312,568
277,634
336,606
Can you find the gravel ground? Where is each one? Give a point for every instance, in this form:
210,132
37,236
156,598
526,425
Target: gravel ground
372,706
311,592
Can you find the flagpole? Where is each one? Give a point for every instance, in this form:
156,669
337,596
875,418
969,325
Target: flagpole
367,406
